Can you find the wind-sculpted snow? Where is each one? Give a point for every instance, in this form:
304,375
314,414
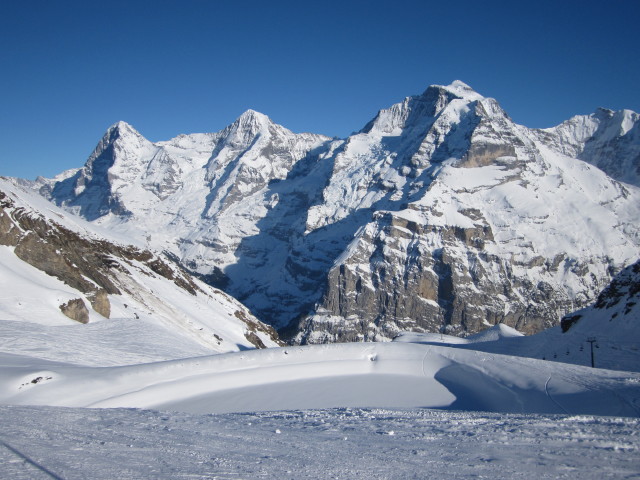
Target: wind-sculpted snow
441,213
345,375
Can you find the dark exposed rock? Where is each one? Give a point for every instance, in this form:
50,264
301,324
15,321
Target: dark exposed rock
394,282
625,286
567,322
253,327
618,301
481,155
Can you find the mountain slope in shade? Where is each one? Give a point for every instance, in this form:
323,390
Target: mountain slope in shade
50,261
440,213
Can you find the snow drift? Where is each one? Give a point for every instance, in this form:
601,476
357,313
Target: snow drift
345,375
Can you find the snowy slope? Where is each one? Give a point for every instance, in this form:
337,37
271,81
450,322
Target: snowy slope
440,213
139,307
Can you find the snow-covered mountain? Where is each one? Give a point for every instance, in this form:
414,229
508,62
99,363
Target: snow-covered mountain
440,213
475,222
607,139
67,284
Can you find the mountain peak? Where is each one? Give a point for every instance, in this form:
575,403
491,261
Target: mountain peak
121,129
121,124
415,109
459,84
462,90
251,118
250,113
247,125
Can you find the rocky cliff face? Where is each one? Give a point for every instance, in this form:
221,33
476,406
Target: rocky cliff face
441,213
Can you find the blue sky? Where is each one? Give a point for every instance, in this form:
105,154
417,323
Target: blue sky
72,68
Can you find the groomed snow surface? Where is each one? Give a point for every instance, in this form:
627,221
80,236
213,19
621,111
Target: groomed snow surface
347,443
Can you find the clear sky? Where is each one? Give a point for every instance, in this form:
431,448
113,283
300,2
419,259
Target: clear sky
70,69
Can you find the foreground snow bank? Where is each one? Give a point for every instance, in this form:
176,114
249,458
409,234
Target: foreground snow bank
337,444
388,375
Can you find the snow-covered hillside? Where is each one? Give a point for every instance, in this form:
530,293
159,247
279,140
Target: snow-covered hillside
113,294
440,213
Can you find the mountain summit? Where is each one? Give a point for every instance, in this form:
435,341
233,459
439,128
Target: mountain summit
440,213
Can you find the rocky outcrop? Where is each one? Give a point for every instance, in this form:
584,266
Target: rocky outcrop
619,301
623,290
254,327
100,302
76,310
482,155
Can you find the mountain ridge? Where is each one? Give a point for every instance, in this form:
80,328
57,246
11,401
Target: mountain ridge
300,227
